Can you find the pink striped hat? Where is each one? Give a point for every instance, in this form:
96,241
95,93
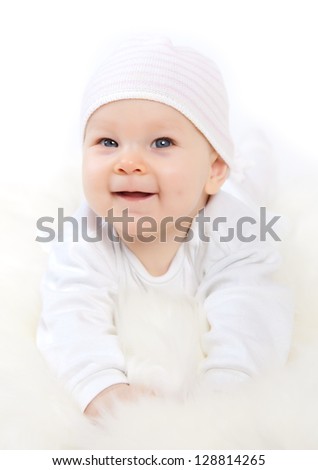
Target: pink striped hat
151,67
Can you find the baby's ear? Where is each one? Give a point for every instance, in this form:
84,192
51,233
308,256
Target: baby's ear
218,173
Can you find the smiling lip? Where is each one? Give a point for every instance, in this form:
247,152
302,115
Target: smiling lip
133,195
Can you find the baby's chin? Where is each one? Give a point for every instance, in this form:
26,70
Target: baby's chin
133,225
137,230
150,236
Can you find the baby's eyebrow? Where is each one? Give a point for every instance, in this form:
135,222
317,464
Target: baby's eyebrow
101,129
166,126
101,125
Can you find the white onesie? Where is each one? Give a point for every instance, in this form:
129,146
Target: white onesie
224,265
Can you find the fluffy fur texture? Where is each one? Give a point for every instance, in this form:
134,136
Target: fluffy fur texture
277,412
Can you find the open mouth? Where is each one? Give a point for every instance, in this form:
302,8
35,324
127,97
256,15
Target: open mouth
133,195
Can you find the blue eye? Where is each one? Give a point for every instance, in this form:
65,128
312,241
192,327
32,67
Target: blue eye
163,142
109,143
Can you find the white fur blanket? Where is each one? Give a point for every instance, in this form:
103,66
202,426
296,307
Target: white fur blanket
278,412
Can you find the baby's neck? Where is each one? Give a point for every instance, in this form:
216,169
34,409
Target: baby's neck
156,257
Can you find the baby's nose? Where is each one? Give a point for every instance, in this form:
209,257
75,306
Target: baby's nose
129,165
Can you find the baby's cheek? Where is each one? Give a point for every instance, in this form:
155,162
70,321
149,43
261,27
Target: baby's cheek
92,187
93,175
90,165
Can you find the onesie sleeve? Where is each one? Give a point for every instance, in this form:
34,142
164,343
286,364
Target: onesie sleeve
76,333
250,315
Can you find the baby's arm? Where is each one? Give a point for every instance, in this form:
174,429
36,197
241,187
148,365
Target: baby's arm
250,316
77,333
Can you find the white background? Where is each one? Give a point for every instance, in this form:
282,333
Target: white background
267,51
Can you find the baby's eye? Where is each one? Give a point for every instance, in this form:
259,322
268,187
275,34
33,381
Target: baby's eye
109,143
163,142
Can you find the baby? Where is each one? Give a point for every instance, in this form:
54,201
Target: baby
156,151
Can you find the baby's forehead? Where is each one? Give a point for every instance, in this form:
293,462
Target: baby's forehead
133,111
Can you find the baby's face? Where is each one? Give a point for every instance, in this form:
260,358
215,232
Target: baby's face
147,157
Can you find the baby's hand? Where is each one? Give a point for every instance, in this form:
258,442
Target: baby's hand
104,400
